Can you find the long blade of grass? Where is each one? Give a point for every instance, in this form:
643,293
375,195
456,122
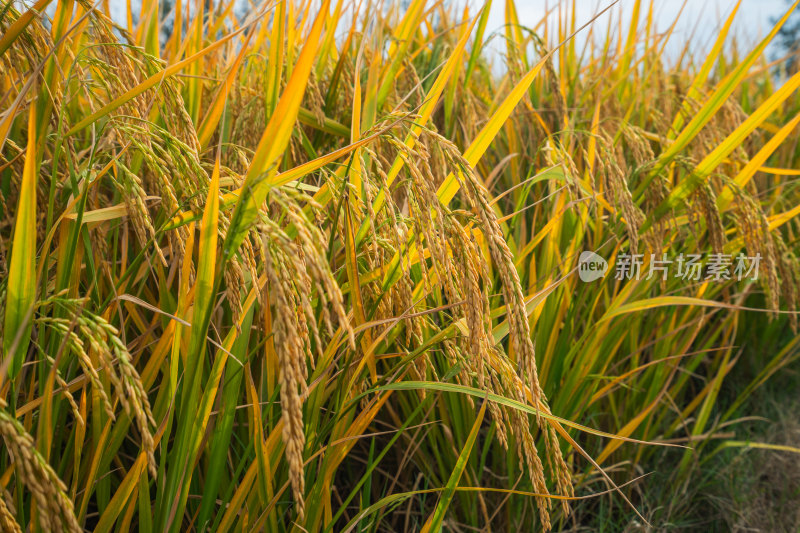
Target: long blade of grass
21,286
514,404
434,522
182,462
215,111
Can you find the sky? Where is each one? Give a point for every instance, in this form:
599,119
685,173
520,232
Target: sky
699,20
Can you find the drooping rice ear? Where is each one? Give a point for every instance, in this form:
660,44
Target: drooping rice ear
8,524
55,512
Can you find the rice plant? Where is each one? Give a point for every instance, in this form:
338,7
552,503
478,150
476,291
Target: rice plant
314,266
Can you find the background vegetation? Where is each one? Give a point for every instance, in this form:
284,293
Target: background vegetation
315,268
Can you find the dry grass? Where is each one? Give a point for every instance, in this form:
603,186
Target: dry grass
771,503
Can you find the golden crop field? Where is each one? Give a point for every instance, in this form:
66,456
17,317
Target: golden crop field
328,265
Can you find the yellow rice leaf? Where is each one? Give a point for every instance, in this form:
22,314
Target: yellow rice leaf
721,152
401,42
121,495
754,165
355,126
106,213
630,43
425,112
19,25
94,466
782,218
759,445
21,286
665,301
328,49
780,171
724,89
214,114
276,50
262,454
702,75
274,141
627,430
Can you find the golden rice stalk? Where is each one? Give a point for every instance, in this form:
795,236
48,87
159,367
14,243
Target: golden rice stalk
291,374
64,388
7,522
55,509
758,241
789,270
491,366
706,204
131,392
296,268
103,342
76,345
614,169
520,334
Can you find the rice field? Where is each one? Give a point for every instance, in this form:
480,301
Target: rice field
338,266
